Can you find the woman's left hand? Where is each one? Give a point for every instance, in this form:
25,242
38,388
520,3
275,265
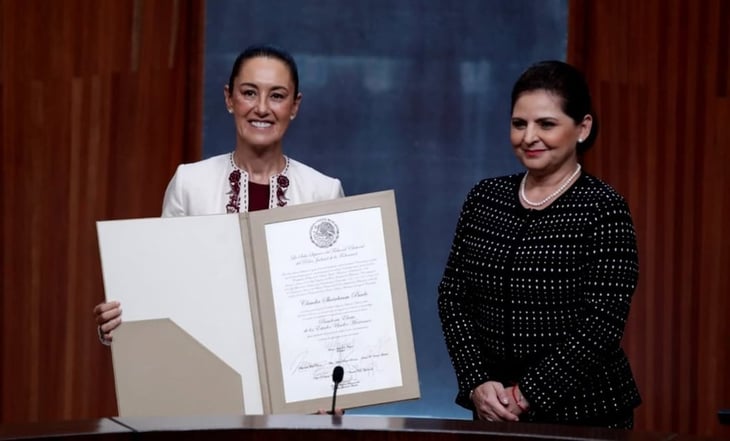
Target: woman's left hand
518,403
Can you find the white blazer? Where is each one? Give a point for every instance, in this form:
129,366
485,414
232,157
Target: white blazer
202,187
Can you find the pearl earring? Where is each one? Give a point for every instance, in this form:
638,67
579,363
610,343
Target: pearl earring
291,117
580,140
230,110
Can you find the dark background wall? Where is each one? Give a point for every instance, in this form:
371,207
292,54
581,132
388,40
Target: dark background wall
409,95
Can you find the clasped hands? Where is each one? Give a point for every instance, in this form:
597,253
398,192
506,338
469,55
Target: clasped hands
494,402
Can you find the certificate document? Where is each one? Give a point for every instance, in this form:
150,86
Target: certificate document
331,292
332,303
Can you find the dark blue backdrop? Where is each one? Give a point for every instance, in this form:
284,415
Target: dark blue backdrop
410,95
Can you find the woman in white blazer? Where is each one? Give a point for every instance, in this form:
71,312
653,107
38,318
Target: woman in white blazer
263,97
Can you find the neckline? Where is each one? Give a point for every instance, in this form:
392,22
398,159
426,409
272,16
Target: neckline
546,208
283,171
552,197
238,197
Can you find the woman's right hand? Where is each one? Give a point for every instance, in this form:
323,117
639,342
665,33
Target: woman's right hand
108,316
493,403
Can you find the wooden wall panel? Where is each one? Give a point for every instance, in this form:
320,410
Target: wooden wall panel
98,103
659,73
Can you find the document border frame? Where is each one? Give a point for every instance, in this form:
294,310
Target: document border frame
268,351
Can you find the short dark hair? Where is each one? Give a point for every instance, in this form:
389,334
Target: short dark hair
266,51
565,81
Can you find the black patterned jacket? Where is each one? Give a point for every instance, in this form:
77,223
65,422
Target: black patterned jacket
541,298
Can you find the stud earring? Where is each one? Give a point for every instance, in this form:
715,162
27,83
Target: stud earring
580,140
230,110
292,117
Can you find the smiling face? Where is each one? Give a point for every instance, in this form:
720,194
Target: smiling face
263,101
543,135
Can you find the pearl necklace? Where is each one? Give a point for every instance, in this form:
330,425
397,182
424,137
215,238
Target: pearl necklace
552,195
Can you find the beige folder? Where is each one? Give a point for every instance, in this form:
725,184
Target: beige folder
161,370
201,331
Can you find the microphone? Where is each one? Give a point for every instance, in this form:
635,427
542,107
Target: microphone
337,375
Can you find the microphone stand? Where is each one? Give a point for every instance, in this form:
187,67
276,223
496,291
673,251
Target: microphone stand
337,375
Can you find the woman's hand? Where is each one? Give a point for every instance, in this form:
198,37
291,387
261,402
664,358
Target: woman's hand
494,403
518,400
108,316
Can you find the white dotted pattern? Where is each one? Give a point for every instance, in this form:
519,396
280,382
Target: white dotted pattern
541,298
